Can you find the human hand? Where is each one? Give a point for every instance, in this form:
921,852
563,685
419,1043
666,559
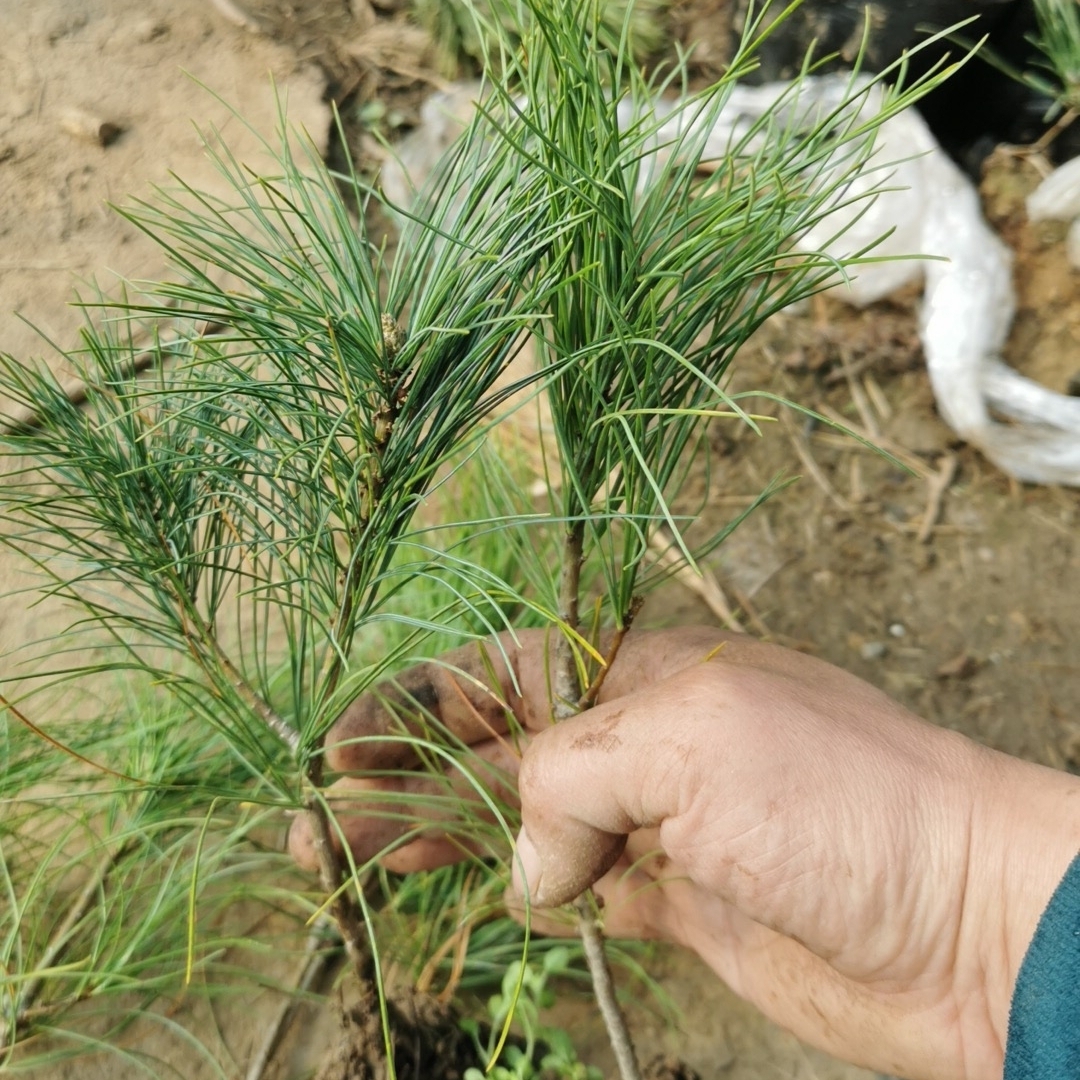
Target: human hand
868,880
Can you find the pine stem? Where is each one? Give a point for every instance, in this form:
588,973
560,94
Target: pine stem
592,944
343,908
331,865
332,869
569,700
277,724
567,686
201,640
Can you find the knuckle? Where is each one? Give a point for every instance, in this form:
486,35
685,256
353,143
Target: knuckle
535,773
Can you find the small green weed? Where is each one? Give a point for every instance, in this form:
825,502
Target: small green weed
524,994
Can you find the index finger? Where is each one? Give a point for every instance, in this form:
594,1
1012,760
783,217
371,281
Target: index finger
474,692
470,692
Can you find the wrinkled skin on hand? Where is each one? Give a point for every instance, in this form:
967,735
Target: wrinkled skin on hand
869,881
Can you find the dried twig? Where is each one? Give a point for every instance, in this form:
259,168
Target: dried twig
853,367
320,946
703,585
753,617
882,442
911,528
877,397
802,448
859,398
936,485
858,492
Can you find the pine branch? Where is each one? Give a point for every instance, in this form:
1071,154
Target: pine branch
618,1032
567,686
78,910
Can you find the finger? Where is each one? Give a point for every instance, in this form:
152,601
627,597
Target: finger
374,813
429,853
472,692
468,692
634,903
588,782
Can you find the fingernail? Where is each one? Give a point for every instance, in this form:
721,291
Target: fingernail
528,871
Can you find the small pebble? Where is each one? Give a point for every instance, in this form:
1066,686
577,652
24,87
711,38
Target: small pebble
146,30
962,666
872,650
90,127
897,630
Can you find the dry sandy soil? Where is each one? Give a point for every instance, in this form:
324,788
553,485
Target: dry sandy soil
972,621
70,69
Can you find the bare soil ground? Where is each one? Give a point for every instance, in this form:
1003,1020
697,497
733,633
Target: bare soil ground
952,587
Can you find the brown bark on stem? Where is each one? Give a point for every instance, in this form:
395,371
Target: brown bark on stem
567,687
343,908
592,944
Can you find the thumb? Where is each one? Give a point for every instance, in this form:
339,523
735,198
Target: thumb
553,880
588,782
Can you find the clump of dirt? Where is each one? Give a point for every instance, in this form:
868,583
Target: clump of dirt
1045,340
666,1068
428,1040
426,1037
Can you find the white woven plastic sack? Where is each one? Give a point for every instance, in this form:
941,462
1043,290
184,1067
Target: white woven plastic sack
968,298
968,305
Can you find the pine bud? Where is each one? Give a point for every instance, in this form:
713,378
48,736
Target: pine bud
393,337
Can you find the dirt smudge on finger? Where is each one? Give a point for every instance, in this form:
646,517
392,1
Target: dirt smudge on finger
602,737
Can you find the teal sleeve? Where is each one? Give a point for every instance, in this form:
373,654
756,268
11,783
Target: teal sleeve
1044,1020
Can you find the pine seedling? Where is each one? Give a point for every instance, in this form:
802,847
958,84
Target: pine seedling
1058,39
144,862
229,522
109,902
462,32
1053,71
678,252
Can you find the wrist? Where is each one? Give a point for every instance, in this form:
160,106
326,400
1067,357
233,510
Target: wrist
1025,832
